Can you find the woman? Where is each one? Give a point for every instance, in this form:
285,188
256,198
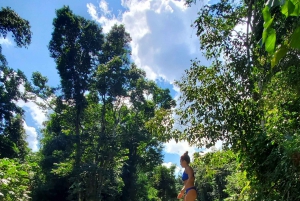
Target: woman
188,179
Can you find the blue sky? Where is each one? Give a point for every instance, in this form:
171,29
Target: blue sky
163,43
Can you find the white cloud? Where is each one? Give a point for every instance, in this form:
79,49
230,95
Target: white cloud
104,7
37,114
32,137
122,101
92,11
177,169
163,41
179,148
5,41
219,145
168,165
105,15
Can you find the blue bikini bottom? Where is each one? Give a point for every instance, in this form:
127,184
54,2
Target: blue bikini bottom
188,189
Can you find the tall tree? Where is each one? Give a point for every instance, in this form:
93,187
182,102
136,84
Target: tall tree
74,45
109,86
100,118
239,98
75,41
144,149
12,133
56,155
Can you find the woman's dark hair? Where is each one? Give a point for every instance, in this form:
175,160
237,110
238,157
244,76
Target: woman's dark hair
185,157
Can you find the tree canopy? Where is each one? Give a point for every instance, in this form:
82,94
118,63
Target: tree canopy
103,138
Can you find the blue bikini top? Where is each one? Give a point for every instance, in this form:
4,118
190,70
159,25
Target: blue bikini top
185,176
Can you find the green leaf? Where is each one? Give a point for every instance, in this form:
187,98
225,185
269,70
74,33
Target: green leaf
296,11
267,17
295,2
266,14
270,41
264,36
279,55
287,8
295,42
268,23
23,173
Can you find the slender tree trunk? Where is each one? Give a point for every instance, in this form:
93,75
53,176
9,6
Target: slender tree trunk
78,148
98,182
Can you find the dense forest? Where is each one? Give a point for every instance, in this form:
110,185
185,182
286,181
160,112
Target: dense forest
104,135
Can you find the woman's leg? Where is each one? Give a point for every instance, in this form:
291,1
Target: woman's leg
191,195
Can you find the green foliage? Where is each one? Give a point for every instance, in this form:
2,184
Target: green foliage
15,179
96,144
290,9
214,28
12,134
164,182
269,34
242,100
271,40
237,186
12,138
215,111
40,89
11,22
74,44
212,171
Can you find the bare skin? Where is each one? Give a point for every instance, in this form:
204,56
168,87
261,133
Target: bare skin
192,194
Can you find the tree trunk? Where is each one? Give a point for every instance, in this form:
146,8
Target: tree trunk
78,148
